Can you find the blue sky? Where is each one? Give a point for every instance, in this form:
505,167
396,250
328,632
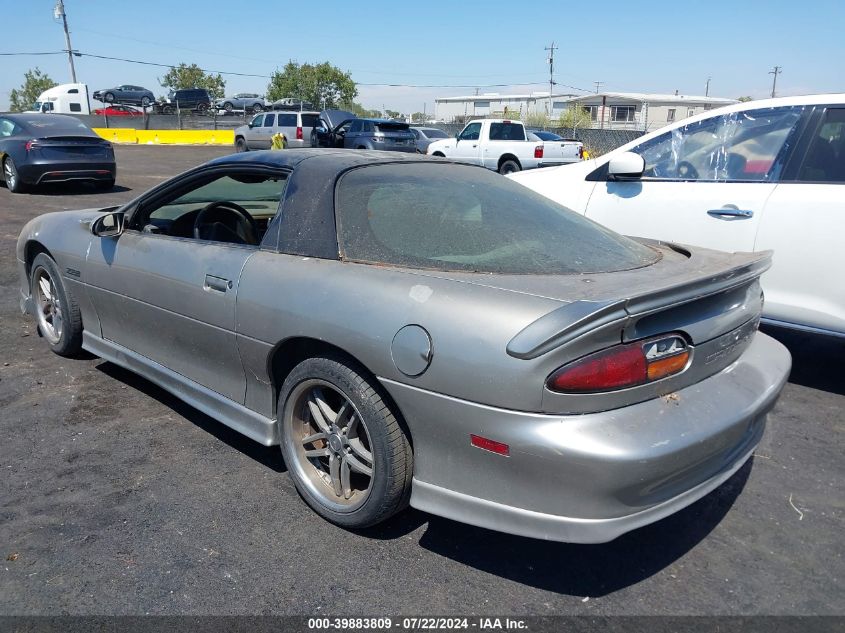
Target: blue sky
643,46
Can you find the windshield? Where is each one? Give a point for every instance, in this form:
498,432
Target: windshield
462,218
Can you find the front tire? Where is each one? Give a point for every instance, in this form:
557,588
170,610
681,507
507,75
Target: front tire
11,176
240,144
348,455
108,97
257,107
56,311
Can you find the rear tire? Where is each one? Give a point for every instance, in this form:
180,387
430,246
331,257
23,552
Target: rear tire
351,429
11,176
509,167
56,311
145,101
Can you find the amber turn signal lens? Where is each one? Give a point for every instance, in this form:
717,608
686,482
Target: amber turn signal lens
663,367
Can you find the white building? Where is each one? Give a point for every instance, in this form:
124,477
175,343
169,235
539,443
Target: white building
450,109
641,111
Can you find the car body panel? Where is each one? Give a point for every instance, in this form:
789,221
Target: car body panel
580,470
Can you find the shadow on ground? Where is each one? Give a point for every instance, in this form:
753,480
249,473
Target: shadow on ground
74,189
269,456
818,361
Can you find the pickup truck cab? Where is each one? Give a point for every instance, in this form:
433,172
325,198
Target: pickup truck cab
498,144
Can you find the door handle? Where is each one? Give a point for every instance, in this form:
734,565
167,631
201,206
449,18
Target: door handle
217,283
730,212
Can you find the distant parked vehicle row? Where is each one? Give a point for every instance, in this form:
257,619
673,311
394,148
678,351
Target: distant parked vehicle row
358,133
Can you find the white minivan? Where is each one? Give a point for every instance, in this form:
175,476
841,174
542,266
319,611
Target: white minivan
752,176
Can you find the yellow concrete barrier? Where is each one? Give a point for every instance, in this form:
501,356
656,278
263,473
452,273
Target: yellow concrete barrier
167,137
118,134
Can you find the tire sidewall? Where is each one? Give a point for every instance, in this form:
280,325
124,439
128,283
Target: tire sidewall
18,186
341,377
509,167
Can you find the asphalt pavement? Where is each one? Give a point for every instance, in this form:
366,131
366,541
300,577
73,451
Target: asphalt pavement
116,498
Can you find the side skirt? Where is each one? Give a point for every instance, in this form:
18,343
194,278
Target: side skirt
232,414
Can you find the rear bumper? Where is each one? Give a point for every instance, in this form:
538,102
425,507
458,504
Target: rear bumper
590,478
42,173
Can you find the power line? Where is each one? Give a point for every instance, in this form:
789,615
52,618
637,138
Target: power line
23,54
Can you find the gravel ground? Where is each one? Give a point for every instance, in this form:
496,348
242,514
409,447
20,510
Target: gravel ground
118,499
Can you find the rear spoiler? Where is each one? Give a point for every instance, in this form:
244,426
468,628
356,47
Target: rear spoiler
575,319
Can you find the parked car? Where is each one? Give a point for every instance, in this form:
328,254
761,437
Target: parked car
322,132
545,135
196,99
399,325
119,110
748,177
258,134
378,134
37,149
246,101
126,94
425,135
501,145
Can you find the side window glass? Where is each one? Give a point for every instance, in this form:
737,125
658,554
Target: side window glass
286,120
269,120
257,120
741,146
355,127
248,202
825,160
471,132
7,128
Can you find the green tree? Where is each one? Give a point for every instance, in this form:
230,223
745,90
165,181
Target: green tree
575,117
420,117
34,83
358,110
743,99
392,114
184,76
535,119
322,85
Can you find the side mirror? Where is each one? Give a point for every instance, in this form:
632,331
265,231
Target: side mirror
108,225
626,166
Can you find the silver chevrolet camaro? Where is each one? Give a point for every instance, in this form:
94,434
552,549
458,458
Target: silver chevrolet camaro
419,331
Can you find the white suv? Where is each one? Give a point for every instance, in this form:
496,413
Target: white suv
752,176
258,134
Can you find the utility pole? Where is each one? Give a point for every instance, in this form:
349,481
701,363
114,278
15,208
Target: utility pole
551,50
598,85
59,12
707,87
778,70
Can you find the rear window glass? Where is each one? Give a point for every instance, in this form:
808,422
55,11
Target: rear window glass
435,134
57,124
309,120
392,127
462,218
507,132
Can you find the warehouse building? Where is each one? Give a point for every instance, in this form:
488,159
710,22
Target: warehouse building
458,109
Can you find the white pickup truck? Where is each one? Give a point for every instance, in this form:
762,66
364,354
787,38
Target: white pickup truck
505,146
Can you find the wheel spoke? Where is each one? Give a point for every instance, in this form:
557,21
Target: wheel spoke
313,438
318,452
352,427
328,415
358,466
334,472
358,448
344,478
56,322
45,288
317,415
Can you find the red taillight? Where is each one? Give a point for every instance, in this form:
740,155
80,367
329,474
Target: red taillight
299,134
490,445
30,145
538,151
581,153
622,366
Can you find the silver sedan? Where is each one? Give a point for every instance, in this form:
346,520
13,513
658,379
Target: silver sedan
417,331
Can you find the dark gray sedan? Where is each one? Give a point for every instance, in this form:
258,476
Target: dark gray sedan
425,136
418,331
39,148
134,95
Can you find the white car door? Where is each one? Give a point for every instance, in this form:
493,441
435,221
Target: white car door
704,184
803,222
468,146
